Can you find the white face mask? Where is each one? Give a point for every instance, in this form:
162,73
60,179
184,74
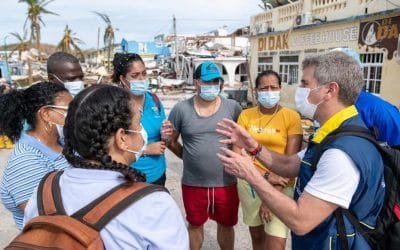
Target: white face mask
306,108
268,99
139,153
60,131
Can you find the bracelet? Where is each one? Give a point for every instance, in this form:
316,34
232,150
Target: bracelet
256,150
266,175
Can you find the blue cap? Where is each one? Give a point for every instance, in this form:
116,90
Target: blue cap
208,71
352,53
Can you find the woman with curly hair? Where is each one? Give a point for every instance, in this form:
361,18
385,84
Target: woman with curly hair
130,73
43,107
103,136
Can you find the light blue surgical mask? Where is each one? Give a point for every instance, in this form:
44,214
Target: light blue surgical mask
209,92
139,87
268,99
74,87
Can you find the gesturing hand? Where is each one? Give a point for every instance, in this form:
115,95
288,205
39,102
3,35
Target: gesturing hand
236,135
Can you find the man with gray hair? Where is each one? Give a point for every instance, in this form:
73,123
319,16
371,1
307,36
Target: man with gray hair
348,174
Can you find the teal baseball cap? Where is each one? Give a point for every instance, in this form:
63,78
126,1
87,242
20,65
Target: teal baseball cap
208,71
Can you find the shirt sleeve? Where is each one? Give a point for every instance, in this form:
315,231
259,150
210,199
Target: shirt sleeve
175,118
336,178
295,127
24,175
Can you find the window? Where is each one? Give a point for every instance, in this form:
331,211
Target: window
372,65
241,73
289,69
264,63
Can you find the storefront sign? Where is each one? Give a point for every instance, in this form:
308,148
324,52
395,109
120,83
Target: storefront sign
325,37
381,33
275,42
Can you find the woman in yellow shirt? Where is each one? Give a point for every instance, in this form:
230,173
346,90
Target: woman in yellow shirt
278,129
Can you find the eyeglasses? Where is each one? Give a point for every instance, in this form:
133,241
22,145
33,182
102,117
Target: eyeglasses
55,107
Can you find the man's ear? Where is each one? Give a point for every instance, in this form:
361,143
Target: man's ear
51,78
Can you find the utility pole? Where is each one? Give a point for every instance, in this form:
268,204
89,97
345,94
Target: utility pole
176,48
5,50
98,46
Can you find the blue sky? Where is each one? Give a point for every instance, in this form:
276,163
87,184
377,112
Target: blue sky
138,20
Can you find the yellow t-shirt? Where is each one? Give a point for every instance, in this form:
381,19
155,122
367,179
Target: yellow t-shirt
271,131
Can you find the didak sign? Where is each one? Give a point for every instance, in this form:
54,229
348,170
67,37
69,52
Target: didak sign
381,33
276,42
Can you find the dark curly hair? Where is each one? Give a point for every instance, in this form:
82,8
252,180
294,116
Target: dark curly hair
122,62
268,73
20,105
94,115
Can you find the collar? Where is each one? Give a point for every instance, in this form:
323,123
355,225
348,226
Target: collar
35,143
334,122
94,174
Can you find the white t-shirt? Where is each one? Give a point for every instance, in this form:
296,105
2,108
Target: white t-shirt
153,222
335,179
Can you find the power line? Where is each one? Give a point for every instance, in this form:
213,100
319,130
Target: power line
392,3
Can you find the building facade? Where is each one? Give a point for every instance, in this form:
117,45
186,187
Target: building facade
280,38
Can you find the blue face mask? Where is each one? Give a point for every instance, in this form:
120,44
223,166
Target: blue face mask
139,87
268,99
209,92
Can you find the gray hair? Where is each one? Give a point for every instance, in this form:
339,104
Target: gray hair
336,66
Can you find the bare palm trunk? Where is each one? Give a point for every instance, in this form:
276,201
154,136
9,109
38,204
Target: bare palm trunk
38,43
108,57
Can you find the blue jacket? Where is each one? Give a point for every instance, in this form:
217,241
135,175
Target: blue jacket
366,202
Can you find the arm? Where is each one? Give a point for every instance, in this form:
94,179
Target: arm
174,145
301,216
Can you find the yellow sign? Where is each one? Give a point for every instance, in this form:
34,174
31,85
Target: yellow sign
276,42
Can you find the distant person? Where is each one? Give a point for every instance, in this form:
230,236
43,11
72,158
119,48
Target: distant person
37,151
279,129
379,115
65,68
348,174
130,73
207,190
103,136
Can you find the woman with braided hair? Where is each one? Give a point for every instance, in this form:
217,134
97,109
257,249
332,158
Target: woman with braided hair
103,136
43,107
130,73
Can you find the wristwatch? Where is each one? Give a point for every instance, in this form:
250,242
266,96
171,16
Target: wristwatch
266,175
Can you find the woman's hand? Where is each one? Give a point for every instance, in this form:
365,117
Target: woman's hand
156,148
264,213
277,180
166,131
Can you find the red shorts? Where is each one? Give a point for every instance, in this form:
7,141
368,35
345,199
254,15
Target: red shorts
219,203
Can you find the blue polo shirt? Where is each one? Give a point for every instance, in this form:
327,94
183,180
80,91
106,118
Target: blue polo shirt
153,166
380,115
29,162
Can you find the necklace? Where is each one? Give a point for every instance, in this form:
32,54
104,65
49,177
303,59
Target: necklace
197,108
260,129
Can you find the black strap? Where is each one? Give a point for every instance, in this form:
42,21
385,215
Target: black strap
117,209
341,228
55,189
156,100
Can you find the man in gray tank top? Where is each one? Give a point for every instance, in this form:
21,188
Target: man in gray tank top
207,190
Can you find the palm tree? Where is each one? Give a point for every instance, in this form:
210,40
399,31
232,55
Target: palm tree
22,45
36,8
69,42
108,35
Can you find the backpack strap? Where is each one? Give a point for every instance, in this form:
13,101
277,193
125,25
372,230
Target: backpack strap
156,100
101,211
49,200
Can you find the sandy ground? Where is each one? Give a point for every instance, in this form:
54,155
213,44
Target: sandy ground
174,173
